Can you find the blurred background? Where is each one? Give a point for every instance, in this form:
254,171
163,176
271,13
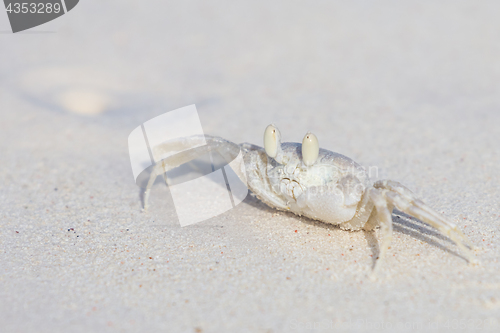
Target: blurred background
338,69
411,87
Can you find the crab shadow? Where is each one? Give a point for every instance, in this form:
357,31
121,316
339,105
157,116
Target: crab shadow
401,223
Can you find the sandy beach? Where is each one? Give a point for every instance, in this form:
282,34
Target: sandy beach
409,89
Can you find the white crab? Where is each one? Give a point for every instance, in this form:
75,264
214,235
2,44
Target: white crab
314,182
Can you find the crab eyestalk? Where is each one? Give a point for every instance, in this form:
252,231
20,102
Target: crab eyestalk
310,149
272,143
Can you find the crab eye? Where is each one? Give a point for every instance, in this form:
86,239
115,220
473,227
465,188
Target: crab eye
272,140
310,149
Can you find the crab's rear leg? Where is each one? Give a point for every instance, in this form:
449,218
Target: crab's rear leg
384,216
409,196
404,200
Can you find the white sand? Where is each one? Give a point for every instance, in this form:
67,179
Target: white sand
412,89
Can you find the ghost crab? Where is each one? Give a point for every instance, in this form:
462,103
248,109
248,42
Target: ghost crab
316,183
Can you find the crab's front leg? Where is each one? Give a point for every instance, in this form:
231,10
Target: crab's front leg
184,152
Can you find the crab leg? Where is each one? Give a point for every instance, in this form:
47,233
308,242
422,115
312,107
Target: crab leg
385,219
226,149
168,164
409,196
405,201
152,178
